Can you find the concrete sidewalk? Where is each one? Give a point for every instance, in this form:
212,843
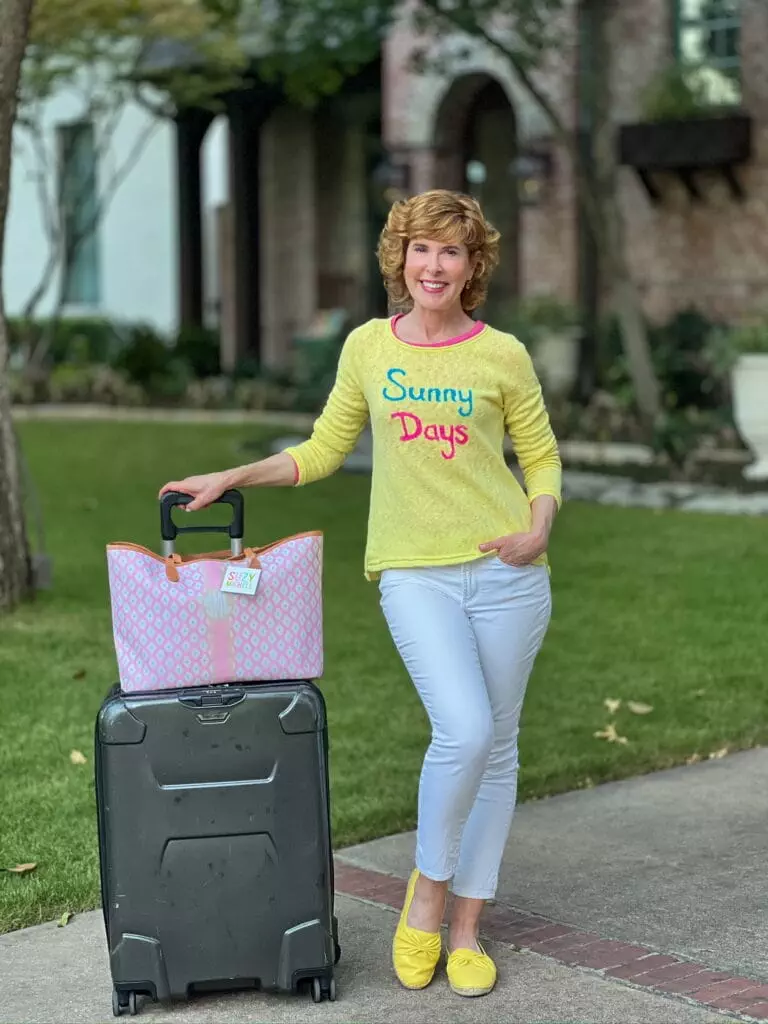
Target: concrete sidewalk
638,902
53,975
676,860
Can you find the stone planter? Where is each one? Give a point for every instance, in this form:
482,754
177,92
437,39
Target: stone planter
556,358
750,408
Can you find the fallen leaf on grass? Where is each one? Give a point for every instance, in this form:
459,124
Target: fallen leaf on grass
80,674
65,918
699,693
77,758
21,869
717,754
611,705
637,708
693,759
610,734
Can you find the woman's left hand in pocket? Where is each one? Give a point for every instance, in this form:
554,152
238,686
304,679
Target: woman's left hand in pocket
517,548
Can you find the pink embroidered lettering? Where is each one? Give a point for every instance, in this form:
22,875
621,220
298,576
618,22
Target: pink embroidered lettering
413,427
415,432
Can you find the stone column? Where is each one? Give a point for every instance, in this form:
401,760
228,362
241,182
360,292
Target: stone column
245,122
288,273
191,126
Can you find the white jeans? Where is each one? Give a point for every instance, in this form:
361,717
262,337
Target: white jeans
468,635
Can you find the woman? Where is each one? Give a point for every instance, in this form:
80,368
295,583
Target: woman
458,547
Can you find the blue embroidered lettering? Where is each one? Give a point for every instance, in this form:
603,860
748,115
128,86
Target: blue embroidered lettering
391,378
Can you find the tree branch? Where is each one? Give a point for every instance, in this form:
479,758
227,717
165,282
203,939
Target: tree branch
567,137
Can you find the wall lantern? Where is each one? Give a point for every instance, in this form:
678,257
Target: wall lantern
532,171
393,179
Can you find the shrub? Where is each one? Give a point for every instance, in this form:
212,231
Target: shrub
144,357
199,348
682,357
100,384
80,340
208,393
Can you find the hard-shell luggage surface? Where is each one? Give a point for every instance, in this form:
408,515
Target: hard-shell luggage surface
214,837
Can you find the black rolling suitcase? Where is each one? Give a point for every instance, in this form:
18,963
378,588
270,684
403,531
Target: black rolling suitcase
215,841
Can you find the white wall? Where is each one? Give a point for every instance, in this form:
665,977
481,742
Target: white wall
138,235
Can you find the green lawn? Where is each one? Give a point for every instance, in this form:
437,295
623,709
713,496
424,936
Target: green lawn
664,608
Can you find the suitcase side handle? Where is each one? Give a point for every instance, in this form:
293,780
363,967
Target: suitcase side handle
169,530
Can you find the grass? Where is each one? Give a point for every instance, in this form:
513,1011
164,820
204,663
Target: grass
664,608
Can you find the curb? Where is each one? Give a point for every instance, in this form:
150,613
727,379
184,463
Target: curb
637,965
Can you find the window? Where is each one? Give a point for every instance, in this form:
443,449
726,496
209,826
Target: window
708,36
78,198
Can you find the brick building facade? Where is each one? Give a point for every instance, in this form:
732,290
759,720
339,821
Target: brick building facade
311,187
698,242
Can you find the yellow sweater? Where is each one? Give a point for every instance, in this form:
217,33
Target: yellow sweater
440,485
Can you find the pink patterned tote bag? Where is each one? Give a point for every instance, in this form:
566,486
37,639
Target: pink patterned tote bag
192,620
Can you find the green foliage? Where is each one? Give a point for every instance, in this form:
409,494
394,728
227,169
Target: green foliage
679,92
104,49
145,357
78,340
529,318
725,345
310,47
682,358
199,348
102,385
523,30
693,377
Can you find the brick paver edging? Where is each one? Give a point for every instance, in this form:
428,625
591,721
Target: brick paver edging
636,964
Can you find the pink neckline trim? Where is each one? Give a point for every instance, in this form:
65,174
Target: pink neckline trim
438,344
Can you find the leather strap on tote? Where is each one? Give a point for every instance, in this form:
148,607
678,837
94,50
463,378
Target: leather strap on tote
172,562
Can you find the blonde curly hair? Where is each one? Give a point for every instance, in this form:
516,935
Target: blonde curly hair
442,216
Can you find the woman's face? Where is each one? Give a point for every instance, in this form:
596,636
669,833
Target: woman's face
436,273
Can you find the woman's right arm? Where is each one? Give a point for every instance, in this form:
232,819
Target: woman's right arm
334,436
276,471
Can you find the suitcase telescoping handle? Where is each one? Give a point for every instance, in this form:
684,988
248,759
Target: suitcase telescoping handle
169,530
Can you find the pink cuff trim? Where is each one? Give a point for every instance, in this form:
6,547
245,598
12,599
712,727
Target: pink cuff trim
438,344
295,469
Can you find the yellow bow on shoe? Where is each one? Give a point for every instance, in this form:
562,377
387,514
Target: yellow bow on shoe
415,954
471,973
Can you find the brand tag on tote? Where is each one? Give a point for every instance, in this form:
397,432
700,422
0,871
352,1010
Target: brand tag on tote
240,581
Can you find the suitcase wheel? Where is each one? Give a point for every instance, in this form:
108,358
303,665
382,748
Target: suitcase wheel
123,1002
322,989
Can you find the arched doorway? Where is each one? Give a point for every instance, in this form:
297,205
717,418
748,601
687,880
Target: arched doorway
476,147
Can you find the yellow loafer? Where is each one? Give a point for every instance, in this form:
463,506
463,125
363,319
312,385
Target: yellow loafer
471,973
415,954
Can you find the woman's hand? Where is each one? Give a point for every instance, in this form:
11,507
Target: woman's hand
518,548
205,489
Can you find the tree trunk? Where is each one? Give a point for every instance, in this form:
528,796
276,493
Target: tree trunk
15,563
596,180
610,232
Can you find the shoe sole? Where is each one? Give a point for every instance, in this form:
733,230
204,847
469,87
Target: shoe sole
472,993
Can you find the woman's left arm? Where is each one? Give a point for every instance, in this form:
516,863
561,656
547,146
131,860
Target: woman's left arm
527,422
